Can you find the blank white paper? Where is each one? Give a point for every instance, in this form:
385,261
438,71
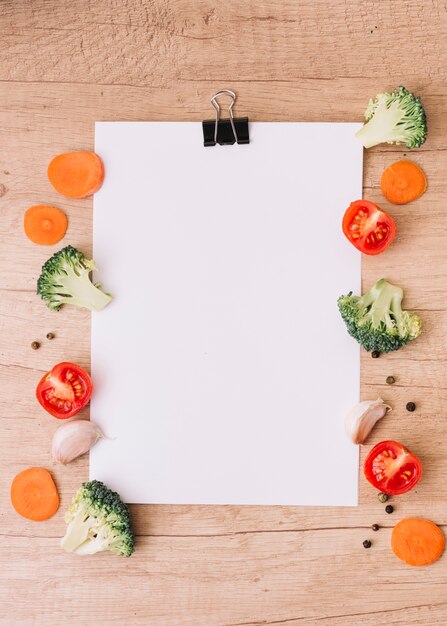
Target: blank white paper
222,368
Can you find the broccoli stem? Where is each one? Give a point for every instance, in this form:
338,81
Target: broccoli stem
93,545
396,310
84,293
77,532
382,127
371,296
372,134
384,298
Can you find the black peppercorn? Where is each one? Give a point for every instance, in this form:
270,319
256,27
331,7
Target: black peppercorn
410,407
35,345
367,543
375,527
389,509
383,497
390,380
375,354
50,335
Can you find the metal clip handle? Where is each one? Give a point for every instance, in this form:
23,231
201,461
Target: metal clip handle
232,95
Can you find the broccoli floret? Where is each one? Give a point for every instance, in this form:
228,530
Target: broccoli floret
376,319
395,117
98,520
65,279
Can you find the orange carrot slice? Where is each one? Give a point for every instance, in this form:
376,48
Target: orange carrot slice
34,494
44,224
417,541
403,182
76,174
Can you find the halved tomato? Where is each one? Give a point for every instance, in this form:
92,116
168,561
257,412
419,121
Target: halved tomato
65,390
368,228
392,468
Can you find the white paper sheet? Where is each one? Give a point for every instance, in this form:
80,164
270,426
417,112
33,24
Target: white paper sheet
222,369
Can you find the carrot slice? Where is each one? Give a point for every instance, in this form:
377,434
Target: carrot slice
403,182
34,494
44,224
417,541
76,174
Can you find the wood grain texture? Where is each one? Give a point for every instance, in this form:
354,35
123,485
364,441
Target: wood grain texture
66,64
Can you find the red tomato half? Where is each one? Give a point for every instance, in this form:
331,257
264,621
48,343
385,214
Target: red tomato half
368,228
392,468
65,390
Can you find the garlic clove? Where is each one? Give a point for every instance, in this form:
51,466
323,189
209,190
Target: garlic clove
74,439
362,418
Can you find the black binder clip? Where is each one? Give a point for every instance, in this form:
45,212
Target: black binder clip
228,131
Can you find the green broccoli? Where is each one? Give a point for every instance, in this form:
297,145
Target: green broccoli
65,279
395,117
98,520
376,319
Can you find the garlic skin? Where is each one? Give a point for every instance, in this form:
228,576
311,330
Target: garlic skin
362,418
74,439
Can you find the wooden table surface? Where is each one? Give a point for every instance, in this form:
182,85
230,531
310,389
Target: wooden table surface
64,65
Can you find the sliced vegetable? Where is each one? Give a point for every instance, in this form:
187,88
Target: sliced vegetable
368,228
403,182
376,319
76,174
34,494
98,520
65,279
417,541
394,117
392,468
44,224
65,390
